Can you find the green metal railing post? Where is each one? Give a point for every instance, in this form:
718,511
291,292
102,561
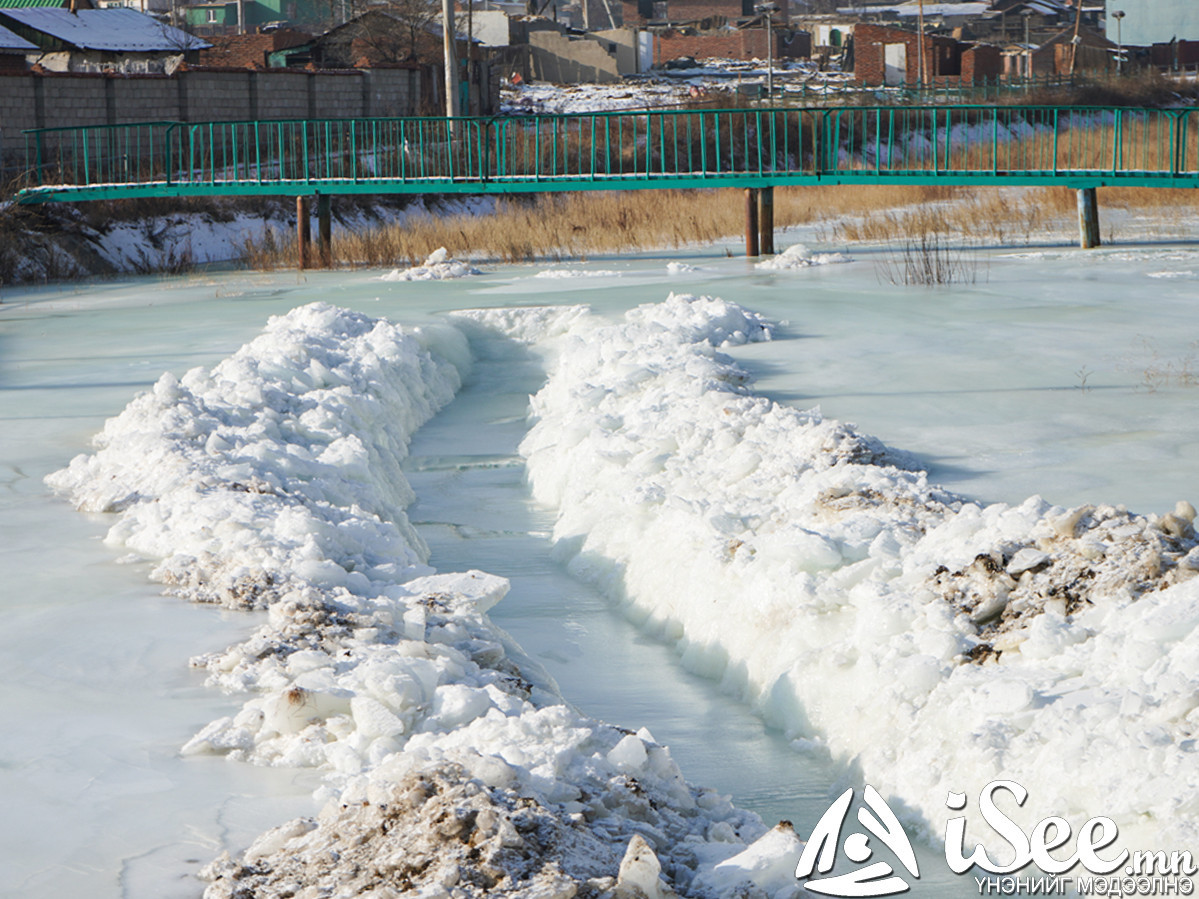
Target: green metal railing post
1118,149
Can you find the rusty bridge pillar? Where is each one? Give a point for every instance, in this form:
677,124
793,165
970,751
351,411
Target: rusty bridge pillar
1088,217
303,233
751,221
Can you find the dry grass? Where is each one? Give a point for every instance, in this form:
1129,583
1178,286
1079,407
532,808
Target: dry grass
523,229
1147,88
1004,217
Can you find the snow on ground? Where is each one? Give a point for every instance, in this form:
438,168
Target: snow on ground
273,481
935,643
562,273
675,86
75,248
798,256
438,267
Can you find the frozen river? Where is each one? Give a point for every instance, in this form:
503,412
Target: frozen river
1066,374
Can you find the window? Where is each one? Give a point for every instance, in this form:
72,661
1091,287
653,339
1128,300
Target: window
212,19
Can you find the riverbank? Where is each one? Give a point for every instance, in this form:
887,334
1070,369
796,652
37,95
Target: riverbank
64,242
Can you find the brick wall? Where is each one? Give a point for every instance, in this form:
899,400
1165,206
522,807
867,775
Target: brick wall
942,55
748,43
694,10
981,61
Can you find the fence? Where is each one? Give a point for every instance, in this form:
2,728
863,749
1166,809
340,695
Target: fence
693,148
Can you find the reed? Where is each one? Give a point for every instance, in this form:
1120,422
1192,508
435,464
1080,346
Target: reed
523,229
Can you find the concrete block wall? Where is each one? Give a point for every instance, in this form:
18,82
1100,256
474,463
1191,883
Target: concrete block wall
392,92
72,101
336,98
144,100
282,94
215,96
30,100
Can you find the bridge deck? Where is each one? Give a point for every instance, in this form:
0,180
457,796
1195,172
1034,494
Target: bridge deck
967,144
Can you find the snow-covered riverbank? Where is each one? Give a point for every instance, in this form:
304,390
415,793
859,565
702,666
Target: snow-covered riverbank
61,242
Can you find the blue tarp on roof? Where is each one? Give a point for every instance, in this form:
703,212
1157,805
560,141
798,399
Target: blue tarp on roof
10,41
117,30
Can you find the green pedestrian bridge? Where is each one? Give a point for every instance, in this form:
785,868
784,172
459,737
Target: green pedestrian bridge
754,148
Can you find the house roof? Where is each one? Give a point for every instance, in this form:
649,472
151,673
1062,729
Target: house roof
10,41
244,50
116,30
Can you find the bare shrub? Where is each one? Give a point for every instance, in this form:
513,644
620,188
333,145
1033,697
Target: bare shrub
928,260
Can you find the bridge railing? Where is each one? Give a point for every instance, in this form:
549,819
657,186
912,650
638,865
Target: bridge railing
925,143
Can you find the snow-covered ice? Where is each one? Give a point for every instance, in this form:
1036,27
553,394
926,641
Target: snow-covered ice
559,273
1053,636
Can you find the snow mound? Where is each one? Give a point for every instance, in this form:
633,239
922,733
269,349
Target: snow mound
680,268
272,481
798,256
937,643
438,267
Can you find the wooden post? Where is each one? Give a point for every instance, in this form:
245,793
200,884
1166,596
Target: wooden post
766,220
303,232
751,221
324,229
1088,217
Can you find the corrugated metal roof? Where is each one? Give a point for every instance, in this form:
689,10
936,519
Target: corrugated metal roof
10,41
18,4
115,30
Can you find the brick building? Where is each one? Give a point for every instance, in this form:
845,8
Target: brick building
885,55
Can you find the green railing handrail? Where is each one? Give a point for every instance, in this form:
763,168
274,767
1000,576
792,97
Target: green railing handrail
966,142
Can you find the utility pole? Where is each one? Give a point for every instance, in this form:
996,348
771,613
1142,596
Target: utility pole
451,60
1076,40
1118,15
1027,13
921,68
768,10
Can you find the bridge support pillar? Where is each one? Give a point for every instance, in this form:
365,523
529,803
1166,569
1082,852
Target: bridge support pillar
324,229
766,221
1088,217
303,233
751,221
